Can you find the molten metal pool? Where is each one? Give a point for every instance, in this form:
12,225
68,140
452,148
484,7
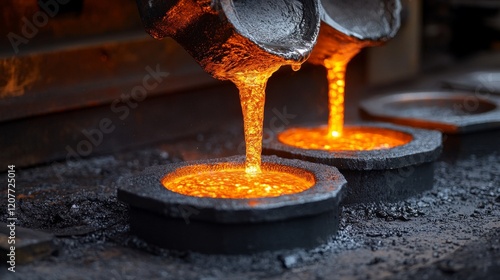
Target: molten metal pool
352,138
380,161
230,180
217,213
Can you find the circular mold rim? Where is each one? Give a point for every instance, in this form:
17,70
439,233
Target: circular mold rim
147,192
425,146
379,108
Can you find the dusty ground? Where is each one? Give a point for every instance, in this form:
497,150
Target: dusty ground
449,232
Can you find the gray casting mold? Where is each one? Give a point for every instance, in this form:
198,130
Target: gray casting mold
470,121
233,226
377,175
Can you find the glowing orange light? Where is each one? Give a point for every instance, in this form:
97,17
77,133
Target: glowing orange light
352,139
232,181
336,137
252,88
251,180
336,77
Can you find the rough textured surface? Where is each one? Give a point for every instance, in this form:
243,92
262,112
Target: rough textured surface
227,36
425,147
147,192
387,185
377,175
230,226
448,232
348,26
365,20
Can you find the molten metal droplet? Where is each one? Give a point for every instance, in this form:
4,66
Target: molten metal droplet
296,67
232,181
352,139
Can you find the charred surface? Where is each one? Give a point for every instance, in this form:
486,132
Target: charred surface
457,219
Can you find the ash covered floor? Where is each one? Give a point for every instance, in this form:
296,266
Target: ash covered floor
449,232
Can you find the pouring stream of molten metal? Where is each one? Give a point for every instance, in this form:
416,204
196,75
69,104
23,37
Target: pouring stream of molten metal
336,137
250,180
252,88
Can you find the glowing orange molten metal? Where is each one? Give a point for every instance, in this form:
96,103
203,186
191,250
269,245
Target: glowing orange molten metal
229,180
336,137
352,139
252,87
336,86
251,180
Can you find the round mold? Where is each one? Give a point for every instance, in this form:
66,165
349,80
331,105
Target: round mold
469,120
376,175
233,226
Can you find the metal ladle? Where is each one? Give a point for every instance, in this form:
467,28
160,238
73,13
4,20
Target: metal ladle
349,25
225,35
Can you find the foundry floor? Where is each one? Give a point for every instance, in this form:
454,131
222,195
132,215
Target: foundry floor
449,232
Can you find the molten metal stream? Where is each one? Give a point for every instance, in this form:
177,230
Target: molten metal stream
252,87
336,85
336,137
250,180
